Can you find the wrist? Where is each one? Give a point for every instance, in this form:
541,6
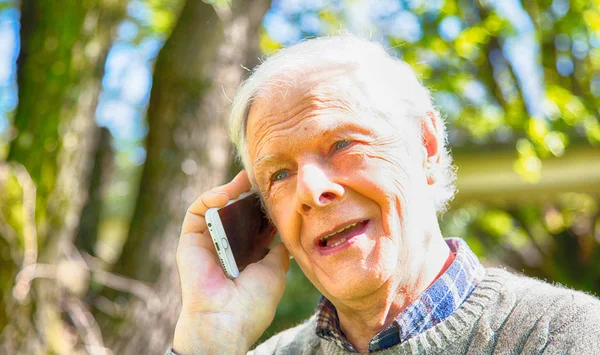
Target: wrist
203,335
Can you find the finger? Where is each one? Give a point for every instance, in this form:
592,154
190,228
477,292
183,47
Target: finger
202,240
267,277
194,242
193,230
219,196
193,223
278,259
239,184
235,187
209,199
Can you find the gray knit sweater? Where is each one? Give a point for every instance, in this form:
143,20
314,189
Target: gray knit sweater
505,314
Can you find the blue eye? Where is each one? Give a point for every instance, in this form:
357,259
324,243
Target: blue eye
341,144
279,175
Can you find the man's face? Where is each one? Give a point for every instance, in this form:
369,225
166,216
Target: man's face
336,180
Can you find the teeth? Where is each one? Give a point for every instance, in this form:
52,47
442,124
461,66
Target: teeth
339,242
339,231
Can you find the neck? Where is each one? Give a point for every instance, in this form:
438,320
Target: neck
361,320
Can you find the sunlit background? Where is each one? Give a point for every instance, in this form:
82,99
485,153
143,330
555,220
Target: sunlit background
517,82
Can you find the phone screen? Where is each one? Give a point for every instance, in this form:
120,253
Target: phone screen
249,231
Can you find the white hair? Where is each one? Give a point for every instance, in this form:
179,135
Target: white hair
388,76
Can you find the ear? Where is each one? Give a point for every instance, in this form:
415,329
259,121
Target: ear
430,138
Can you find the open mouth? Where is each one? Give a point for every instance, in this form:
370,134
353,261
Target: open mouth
342,235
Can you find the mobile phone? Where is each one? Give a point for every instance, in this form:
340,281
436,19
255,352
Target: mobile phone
241,232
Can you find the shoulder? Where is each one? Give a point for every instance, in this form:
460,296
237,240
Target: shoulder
564,318
540,297
551,298
291,341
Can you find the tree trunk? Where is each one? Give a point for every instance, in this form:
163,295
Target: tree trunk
60,67
87,233
188,152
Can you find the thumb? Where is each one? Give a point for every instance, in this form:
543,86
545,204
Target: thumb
278,259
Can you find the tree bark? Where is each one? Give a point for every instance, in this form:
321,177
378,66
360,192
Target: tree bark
60,67
87,233
188,152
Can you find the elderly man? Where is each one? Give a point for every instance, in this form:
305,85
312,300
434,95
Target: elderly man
350,158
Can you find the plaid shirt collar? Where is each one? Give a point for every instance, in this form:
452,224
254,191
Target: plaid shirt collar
439,301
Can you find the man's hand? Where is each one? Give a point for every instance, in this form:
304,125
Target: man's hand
220,315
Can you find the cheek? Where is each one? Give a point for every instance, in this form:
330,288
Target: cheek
285,218
380,175
377,170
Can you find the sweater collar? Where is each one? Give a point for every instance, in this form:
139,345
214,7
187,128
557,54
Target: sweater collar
436,303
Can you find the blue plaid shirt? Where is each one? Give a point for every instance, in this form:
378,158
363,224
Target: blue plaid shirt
439,301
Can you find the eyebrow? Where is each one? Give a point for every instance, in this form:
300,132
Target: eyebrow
265,160
271,159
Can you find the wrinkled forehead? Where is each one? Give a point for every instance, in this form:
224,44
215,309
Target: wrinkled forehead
291,99
285,90
358,86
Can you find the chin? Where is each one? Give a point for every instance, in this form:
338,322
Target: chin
360,280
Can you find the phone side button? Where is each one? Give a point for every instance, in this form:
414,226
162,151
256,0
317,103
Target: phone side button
224,243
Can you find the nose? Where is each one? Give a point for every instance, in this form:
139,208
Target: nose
315,189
